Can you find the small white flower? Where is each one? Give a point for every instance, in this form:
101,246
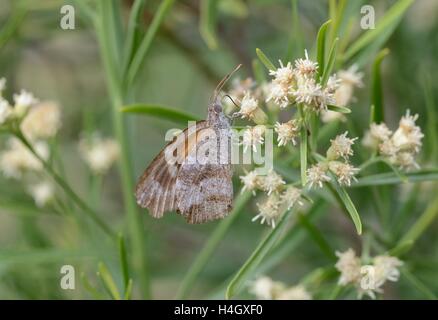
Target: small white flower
306,67
99,153
377,134
283,75
387,268
349,266
42,121
332,83
340,147
253,137
298,292
388,149
287,132
406,161
248,106
313,95
251,181
42,193
344,172
17,159
351,76
317,175
269,210
291,196
279,94
23,101
408,136
264,288
5,110
271,182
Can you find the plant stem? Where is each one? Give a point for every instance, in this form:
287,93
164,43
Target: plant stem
66,187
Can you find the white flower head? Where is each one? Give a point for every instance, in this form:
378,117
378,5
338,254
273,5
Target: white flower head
253,137
271,182
406,161
23,101
351,76
269,210
5,111
291,196
42,193
305,67
42,121
349,266
287,132
98,153
284,75
376,135
17,159
298,292
317,175
408,135
264,288
387,267
279,94
313,95
250,181
341,147
344,172
248,106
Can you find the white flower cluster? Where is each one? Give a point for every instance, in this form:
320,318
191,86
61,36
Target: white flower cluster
280,197
264,288
297,83
400,147
369,278
38,122
99,153
336,161
346,82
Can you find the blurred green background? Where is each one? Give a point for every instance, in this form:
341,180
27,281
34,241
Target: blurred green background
181,71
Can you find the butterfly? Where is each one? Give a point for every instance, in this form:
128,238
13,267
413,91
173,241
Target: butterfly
182,178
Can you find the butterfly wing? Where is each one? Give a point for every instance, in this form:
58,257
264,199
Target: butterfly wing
204,189
204,192
156,188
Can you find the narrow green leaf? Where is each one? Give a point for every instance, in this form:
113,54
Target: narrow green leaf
320,47
265,60
108,281
128,291
295,45
161,112
423,222
391,18
90,289
401,248
256,257
372,113
207,22
392,178
132,32
123,261
210,246
337,16
376,88
339,109
348,204
259,72
145,44
432,132
330,62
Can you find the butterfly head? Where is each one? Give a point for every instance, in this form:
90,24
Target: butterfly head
215,110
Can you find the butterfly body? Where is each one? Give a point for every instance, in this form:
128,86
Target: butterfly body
192,175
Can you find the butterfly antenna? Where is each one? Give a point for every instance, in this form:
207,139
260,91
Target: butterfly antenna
222,83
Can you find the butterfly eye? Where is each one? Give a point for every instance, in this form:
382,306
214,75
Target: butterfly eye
217,108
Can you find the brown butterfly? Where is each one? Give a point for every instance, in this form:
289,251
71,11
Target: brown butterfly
184,178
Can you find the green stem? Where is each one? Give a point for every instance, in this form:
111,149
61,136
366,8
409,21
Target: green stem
65,186
135,222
